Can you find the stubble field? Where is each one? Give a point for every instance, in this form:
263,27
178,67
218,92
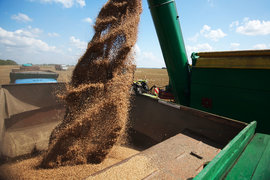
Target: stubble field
158,77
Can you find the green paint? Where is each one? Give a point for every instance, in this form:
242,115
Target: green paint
169,33
263,170
241,94
226,158
254,163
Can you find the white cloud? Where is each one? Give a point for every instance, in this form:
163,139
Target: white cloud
205,29
214,35
260,46
137,49
23,39
53,34
234,24
235,46
253,27
149,55
197,48
78,43
21,17
23,45
194,38
88,20
65,3
81,2
208,33
147,58
28,32
7,42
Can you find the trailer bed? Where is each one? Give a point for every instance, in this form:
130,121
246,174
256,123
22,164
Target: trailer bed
179,157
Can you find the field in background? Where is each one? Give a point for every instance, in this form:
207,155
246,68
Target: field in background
4,73
64,76
158,77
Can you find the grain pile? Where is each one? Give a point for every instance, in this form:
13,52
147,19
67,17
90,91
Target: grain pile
28,169
97,101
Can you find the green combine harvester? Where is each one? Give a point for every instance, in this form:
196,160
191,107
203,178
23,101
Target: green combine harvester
233,84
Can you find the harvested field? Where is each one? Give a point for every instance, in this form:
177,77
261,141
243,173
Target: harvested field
4,73
158,77
64,76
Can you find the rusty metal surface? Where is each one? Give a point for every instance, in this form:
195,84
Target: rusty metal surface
179,157
160,120
29,113
30,132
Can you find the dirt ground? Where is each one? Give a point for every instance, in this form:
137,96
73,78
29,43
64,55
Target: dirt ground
158,77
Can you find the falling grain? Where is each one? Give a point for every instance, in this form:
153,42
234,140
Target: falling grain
97,101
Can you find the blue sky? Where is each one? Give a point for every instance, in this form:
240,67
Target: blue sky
57,31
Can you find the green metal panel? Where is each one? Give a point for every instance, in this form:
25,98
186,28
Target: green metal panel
263,170
222,163
254,163
241,94
170,37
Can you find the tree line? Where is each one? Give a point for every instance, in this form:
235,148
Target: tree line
7,62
